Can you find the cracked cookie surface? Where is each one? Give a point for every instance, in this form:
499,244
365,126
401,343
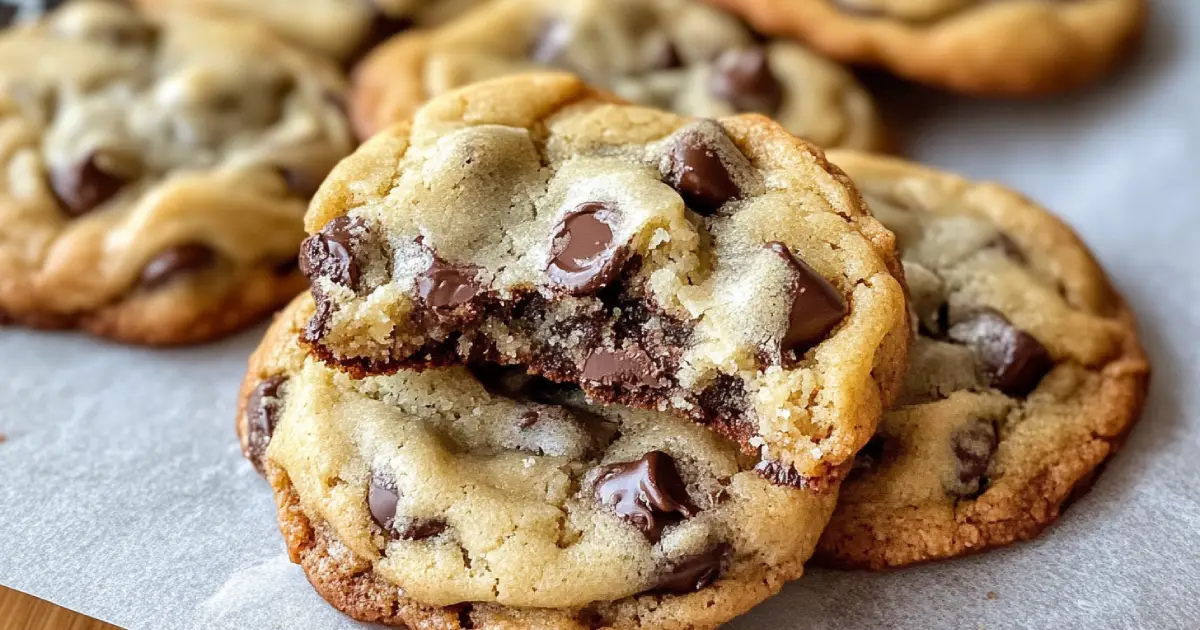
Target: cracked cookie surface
157,172
451,498
984,47
1025,376
719,269
677,55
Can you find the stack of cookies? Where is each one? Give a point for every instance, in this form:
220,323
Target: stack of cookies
607,348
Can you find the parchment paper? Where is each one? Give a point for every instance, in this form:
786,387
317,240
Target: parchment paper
123,495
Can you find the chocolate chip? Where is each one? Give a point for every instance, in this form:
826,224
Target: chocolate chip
648,492
300,181
175,262
973,445
817,306
83,186
780,474
330,253
694,573
552,41
694,168
879,449
583,255
8,14
445,286
630,366
744,79
528,419
664,55
421,529
383,26
262,409
1011,249
1013,359
382,500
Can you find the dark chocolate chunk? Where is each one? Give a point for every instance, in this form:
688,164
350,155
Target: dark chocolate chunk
175,262
694,168
878,450
1013,359
421,529
817,306
528,419
382,500
262,410
744,79
625,367
83,186
973,445
694,573
331,253
648,492
781,474
553,38
443,285
583,254
664,55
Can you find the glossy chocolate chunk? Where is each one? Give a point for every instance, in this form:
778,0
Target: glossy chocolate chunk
648,492
744,79
694,573
1013,359
84,185
694,168
330,253
175,262
382,500
631,366
817,306
262,410
973,445
443,285
583,255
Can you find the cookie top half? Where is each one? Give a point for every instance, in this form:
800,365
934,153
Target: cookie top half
157,171
1025,376
491,499
721,269
984,47
677,55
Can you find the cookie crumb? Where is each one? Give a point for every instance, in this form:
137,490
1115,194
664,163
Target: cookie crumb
992,595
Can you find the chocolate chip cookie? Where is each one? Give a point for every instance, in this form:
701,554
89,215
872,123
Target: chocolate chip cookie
157,172
983,47
1026,374
672,54
448,498
720,269
342,29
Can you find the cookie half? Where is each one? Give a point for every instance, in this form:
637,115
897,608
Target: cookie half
719,269
157,172
1026,374
982,47
447,498
677,55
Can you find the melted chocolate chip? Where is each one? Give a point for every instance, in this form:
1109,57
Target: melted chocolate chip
694,168
879,449
583,255
1013,359
83,186
744,79
817,306
528,419
262,409
780,474
973,445
382,500
694,573
175,262
331,253
421,529
621,367
648,492
445,286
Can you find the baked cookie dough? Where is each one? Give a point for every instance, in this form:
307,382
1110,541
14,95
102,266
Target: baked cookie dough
982,47
450,499
677,55
1026,374
156,173
719,269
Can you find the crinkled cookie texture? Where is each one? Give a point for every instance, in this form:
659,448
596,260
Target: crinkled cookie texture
1026,374
445,498
677,55
156,173
719,269
342,29
983,47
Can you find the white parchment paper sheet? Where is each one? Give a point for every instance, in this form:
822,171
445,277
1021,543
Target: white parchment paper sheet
123,495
